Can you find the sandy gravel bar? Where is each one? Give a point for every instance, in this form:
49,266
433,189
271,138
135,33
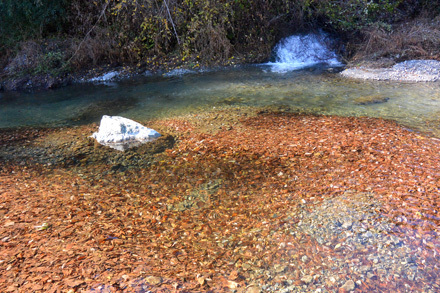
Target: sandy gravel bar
407,71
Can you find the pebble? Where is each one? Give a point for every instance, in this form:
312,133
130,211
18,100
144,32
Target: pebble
411,70
363,245
347,224
307,279
153,280
253,289
349,286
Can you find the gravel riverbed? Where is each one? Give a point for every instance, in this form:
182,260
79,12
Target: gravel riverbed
233,200
363,248
407,71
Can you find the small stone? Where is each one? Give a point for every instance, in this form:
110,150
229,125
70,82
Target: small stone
153,280
232,285
253,289
279,268
307,279
201,280
368,234
347,224
364,268
349,286
304,258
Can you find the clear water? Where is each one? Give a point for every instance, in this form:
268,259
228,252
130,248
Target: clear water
313,90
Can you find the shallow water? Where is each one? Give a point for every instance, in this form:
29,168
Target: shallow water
354,236
313,90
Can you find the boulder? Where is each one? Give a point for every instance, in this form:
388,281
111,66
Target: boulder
121,133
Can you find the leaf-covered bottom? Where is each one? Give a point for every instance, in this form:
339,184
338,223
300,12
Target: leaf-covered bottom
216,210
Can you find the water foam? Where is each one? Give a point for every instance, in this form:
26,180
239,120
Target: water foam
105,77
179,72
302,51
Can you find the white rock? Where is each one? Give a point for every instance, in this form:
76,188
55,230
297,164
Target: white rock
121,133
105,77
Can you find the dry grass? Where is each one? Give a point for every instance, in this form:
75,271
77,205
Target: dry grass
416,39
97,48
26,58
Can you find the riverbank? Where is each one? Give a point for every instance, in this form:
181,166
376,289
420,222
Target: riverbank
240,199
381,70
75,41
153,65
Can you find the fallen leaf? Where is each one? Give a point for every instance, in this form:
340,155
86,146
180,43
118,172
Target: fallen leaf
232,285
201,280
233,275
73,282
9,223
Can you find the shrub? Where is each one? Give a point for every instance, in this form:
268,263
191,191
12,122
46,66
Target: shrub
355,15
128,31
418,38
24,19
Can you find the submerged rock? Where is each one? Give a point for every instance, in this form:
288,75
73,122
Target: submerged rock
372,99
121,133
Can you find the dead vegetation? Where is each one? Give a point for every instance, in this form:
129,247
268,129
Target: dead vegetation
210,213
415,39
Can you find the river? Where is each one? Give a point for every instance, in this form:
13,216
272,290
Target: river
313,90
267,202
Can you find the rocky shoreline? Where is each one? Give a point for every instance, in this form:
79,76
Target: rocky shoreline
407,71
152,65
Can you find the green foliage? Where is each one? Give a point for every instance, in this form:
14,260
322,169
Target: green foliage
354,15
212,29
24,19
51,63
158,27
128,31
209,29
